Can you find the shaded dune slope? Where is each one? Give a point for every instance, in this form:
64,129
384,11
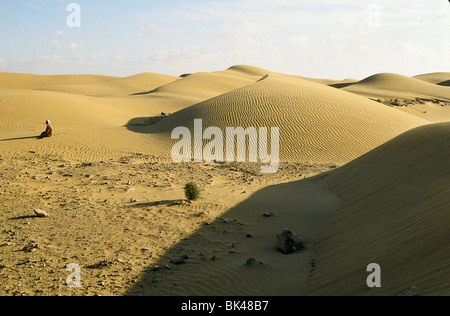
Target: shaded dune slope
301,206
394,211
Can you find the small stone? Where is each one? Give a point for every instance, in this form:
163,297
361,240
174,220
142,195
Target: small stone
40,213
288,242
31,247
268,214
179,261
156,268
250,262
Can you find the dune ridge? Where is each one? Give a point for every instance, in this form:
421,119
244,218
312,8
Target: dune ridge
388,85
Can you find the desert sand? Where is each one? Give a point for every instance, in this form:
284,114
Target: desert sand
363,179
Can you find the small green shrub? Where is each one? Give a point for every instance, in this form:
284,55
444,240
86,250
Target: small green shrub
192,191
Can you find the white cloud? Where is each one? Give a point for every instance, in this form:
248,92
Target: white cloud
55,44
73,46
90,35
327,39
53,59
154,29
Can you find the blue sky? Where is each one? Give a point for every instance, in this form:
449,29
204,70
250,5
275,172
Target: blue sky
316,38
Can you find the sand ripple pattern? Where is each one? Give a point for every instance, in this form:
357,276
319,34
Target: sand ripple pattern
317,123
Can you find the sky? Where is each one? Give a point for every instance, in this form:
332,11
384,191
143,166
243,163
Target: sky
314,38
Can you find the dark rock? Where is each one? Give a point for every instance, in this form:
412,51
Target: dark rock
179,261
250,262
288,242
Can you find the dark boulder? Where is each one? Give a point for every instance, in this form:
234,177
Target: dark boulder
288,242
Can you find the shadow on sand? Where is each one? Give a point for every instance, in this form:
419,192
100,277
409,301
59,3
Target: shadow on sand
142,124
341,85
237,254
159,203
19,138
23,217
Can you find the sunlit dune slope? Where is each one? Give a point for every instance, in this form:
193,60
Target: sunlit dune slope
198,87
29,81
436,78
119,86
316,122
389,85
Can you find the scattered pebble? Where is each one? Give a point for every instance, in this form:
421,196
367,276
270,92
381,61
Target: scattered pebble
40,213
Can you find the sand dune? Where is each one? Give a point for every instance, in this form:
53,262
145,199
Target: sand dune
389,85
432,112
198,87
92,111
94,124
115,197
388,207
29,81
435,78
113,87
317,123
393,212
